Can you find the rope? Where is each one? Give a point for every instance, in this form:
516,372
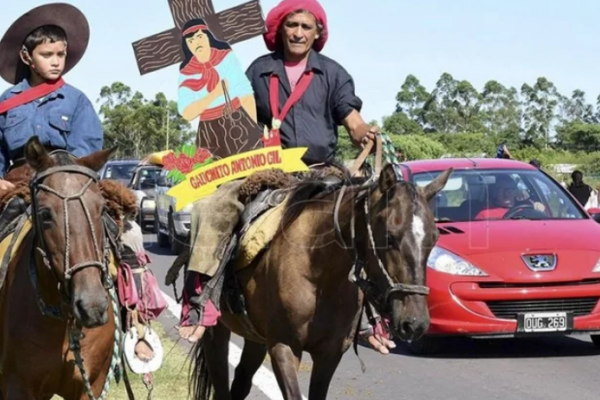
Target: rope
390,154
115,362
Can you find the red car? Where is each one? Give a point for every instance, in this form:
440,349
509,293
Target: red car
517,255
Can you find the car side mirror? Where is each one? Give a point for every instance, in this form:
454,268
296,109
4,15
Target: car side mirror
594,213
162,181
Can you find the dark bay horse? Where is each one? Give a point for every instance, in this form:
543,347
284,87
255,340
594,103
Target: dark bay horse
56,315
302,293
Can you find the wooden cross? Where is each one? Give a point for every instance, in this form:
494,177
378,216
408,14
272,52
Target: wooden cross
234,25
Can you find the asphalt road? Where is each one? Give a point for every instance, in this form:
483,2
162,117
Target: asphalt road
524,369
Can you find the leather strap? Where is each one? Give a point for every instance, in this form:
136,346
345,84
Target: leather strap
365,153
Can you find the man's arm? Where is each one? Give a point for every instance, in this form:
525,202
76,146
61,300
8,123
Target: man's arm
346,109
86,134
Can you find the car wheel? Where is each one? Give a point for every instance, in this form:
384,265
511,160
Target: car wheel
175,240
423,346
161,238
595,340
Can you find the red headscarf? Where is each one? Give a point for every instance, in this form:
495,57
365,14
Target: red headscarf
210,76
278,14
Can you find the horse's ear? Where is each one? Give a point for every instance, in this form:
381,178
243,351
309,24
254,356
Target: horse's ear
96,160
36,155
436,185
387,178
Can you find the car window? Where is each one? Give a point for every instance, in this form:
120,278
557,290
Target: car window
147,177
122,172
473,195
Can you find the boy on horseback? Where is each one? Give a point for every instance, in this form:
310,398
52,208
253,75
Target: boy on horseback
35,52
296,33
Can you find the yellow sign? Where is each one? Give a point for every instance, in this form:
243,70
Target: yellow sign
204,181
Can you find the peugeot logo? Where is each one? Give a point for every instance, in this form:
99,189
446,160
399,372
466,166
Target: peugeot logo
540,262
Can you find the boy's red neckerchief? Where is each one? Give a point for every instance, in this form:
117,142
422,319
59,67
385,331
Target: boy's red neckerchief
30,95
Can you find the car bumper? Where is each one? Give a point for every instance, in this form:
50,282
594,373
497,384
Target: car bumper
182,223
147,210
488,309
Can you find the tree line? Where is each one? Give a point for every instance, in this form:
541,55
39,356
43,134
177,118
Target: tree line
535,115
452,118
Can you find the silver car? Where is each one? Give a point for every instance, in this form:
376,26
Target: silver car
172,227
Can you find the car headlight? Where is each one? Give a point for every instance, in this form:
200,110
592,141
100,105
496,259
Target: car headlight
597,267
148,203
444,261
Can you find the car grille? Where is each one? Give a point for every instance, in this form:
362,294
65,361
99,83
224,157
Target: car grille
510,309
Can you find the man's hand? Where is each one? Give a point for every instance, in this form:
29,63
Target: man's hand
539,206
5,186
359,131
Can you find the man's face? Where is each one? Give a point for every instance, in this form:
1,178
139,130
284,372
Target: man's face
298,33
47,59
505,195
199,46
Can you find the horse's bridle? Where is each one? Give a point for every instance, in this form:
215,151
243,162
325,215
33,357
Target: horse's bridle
69,270
377,297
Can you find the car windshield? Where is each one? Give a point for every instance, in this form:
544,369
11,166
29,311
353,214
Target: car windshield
475,195
147,178
122,172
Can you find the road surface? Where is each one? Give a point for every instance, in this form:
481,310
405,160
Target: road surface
541,369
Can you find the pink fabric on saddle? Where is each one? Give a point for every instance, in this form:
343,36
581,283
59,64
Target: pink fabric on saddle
153,302
211,314
128,293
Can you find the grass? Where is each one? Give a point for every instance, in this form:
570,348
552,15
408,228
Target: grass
170,381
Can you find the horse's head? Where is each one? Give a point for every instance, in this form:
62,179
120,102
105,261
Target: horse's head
404,233
67,210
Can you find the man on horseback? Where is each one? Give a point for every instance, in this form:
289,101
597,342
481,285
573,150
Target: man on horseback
35,52
316,95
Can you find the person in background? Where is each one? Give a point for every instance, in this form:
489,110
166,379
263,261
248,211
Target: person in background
579,189
503,152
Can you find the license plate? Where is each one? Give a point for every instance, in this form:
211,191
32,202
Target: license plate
545,322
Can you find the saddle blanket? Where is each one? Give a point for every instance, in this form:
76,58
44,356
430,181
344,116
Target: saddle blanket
258,236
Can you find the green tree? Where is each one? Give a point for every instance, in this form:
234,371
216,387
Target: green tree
500,109
412,100
401,124
417,147
139,126
541,102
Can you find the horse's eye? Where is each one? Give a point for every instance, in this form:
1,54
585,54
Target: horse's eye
45,215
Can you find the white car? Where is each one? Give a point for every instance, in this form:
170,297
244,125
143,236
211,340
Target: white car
172,227
143,186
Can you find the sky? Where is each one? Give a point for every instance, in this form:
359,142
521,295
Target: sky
379,42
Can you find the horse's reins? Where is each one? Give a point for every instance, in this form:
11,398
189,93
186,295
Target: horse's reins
69,270
373,293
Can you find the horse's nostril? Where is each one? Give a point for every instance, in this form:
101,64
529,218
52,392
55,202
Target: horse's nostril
81,310
407,327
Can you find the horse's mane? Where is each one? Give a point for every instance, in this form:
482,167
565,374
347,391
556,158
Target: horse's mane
313,187
120,201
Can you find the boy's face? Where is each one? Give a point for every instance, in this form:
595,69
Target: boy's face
47,59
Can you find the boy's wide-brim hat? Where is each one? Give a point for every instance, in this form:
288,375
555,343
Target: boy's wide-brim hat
66,16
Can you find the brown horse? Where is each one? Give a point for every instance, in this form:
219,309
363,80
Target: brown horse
302,293
57,322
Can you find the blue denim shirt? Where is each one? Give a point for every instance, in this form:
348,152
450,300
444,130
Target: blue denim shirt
64,119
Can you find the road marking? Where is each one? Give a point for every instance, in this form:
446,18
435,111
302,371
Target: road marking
264,379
